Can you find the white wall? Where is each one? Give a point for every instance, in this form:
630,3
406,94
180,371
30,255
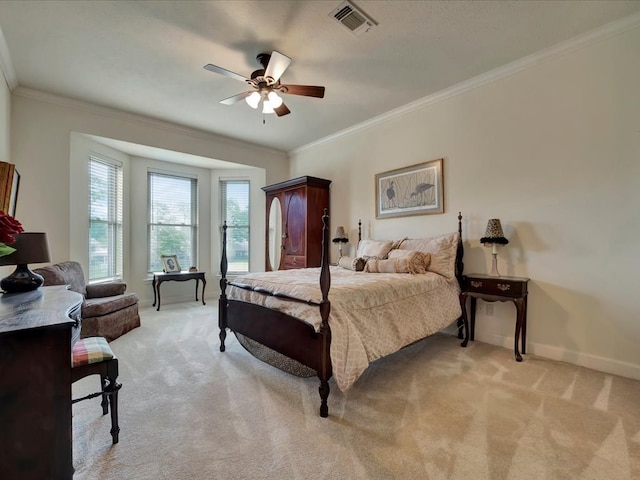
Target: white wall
554,152
53,190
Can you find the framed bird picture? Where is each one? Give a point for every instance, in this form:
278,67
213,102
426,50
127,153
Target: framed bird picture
414,190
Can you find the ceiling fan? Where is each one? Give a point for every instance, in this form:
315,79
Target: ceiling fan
266,82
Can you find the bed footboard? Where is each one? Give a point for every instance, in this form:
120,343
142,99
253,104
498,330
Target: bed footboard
281,332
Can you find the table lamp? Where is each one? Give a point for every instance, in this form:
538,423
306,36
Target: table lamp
340,237
494,236
31,247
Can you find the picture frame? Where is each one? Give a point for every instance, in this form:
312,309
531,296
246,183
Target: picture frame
9,183
13,196
170,263
413,190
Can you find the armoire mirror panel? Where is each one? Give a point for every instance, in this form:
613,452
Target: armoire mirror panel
274,229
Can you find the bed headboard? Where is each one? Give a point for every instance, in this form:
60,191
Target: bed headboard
459,267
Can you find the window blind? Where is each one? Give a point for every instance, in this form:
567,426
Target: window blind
105,219
173,219
234,202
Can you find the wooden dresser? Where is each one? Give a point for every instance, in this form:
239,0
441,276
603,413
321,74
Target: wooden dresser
37,330
302,201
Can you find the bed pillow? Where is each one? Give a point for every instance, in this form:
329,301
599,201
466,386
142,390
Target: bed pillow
442,250
350,263
374,248
418,261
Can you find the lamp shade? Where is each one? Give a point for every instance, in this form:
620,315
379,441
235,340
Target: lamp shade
31,247
340,236
494,233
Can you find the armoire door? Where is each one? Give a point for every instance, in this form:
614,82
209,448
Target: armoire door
295,228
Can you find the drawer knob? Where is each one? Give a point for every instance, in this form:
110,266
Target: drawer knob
476,284
504,287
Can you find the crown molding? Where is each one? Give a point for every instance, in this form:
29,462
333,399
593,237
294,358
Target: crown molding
6,65
121,115
607,31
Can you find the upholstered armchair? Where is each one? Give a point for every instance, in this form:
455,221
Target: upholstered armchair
107,311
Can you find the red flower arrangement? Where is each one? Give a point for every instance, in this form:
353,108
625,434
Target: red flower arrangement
9,227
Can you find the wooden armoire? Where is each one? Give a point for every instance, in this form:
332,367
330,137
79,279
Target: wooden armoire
301,204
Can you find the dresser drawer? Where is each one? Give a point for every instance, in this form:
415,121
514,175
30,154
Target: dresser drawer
294,261
503,286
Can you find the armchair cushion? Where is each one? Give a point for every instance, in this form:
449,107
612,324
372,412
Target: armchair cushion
95,307
98,290
64,273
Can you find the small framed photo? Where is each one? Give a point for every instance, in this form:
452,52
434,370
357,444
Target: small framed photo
170,263
413,190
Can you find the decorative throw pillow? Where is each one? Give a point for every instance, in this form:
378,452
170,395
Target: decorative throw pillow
418,261
442,250
389,265
374,248
350,263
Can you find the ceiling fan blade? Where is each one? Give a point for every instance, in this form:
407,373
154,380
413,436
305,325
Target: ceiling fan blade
236,98
278,63
225,72
282,110
306,90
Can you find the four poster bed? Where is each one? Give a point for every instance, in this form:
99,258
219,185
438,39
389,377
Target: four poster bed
370,315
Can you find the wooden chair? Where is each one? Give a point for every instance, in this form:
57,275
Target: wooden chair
93,356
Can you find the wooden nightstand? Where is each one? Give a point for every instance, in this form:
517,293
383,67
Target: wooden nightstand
501,289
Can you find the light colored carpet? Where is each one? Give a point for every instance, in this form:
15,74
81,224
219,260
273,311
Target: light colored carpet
431,411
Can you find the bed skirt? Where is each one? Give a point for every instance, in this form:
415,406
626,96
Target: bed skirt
273,358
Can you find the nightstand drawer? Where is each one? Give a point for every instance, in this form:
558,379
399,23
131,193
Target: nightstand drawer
504,286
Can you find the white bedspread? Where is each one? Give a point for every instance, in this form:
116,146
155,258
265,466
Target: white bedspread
372,314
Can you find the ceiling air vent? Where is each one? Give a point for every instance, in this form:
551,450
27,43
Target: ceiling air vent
352,18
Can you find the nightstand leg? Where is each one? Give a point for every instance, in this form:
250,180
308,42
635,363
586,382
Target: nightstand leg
519,302
472,322
465,322
524,327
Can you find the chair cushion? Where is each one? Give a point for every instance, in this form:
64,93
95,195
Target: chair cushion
91,350
96,307
109,289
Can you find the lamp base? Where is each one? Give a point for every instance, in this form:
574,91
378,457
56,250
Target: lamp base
21,280
494,266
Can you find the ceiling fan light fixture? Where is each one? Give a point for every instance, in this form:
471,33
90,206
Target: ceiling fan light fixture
274,99
267,85
253,100
267,107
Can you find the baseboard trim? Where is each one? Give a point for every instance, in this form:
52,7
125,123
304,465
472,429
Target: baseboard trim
602,364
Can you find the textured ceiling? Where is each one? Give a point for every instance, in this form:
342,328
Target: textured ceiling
146,57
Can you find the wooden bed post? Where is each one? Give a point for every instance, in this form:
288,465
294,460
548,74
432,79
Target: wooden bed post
325,308
462,321
222,302
460,251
